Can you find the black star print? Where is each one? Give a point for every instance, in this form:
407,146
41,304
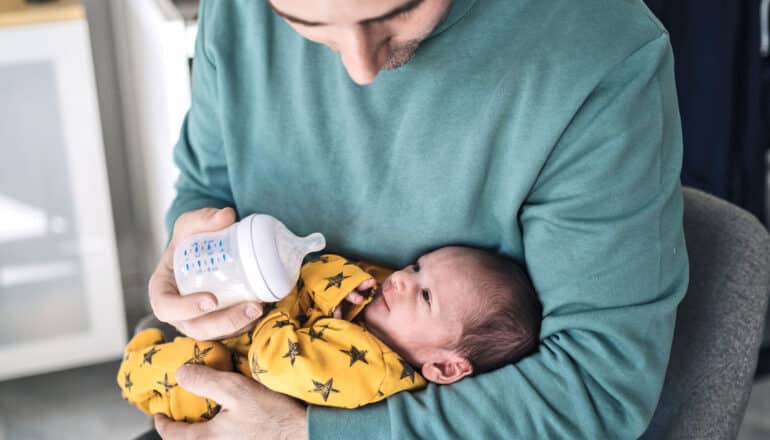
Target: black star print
256,370
128,384
198,356
324,259
279,324
300,284
301,317
311,297
408,371
293,352
335,281
235,358
380,393
324,388
316,335
211,411
157,393
148,355
349,262
250,337
166,384
356,355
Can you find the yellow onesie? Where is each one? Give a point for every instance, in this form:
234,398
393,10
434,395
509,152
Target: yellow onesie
297,348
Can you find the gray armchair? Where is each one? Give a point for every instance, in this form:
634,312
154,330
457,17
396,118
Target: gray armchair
719,325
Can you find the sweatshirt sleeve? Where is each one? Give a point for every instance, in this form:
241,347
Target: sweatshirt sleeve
203,179
603,240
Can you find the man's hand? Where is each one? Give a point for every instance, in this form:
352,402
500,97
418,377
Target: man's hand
249,410
352,299
192,314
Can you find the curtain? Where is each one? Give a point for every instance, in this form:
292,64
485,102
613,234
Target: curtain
723,84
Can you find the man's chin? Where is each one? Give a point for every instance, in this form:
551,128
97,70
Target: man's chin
401,56
396,64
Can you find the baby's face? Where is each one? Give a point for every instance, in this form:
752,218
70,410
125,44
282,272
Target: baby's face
420,310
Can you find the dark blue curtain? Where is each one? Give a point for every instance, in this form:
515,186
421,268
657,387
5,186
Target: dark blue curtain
723,85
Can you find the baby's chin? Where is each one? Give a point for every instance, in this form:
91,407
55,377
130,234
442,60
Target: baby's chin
374,315
373,311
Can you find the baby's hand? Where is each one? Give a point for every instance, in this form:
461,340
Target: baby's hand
353,298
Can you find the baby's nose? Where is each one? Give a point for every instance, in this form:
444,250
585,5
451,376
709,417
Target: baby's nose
402,282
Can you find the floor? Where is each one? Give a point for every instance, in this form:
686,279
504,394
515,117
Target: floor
84,404
79,404
756,423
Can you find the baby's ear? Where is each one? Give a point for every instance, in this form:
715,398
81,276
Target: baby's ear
447,369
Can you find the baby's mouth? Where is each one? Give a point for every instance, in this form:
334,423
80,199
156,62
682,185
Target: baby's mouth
381,291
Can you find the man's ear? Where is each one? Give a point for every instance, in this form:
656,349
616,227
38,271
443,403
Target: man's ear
447,369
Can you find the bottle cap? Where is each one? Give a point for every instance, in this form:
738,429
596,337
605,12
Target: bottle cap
273,255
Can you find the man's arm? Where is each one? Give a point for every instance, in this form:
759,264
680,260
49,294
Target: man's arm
203,185
603,240
203,179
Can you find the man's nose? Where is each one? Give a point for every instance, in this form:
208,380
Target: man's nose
363,54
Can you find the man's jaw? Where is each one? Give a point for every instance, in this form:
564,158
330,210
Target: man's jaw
401,55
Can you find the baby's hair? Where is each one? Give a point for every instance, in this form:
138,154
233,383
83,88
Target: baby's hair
505,326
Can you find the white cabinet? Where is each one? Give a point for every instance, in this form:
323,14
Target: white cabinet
155,40
60,294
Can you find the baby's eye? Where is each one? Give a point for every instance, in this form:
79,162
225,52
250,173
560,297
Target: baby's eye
426,295
416,267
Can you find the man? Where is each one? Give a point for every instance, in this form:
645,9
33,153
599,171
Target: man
545,130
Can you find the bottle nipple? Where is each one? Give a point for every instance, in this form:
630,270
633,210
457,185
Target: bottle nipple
293,249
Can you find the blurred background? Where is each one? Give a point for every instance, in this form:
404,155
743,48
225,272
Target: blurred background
92,94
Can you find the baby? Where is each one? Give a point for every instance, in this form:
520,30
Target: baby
455,312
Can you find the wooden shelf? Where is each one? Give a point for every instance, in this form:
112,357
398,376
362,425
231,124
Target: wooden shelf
20,13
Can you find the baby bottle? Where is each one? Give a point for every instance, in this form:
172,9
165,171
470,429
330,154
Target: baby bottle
256,259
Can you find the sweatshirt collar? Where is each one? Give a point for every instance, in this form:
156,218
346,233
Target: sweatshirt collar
456,12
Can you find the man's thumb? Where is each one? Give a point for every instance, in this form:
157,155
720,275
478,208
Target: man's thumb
202,220
222,218
220,386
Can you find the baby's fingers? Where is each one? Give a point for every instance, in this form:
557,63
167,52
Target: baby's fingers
366,285
354,297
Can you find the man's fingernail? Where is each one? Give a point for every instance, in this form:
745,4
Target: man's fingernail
252,311
207,305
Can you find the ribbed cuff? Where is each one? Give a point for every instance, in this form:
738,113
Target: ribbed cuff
370,422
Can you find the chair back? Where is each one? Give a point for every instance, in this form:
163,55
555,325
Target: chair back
719,324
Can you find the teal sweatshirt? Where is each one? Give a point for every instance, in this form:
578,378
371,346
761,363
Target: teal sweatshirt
546,130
